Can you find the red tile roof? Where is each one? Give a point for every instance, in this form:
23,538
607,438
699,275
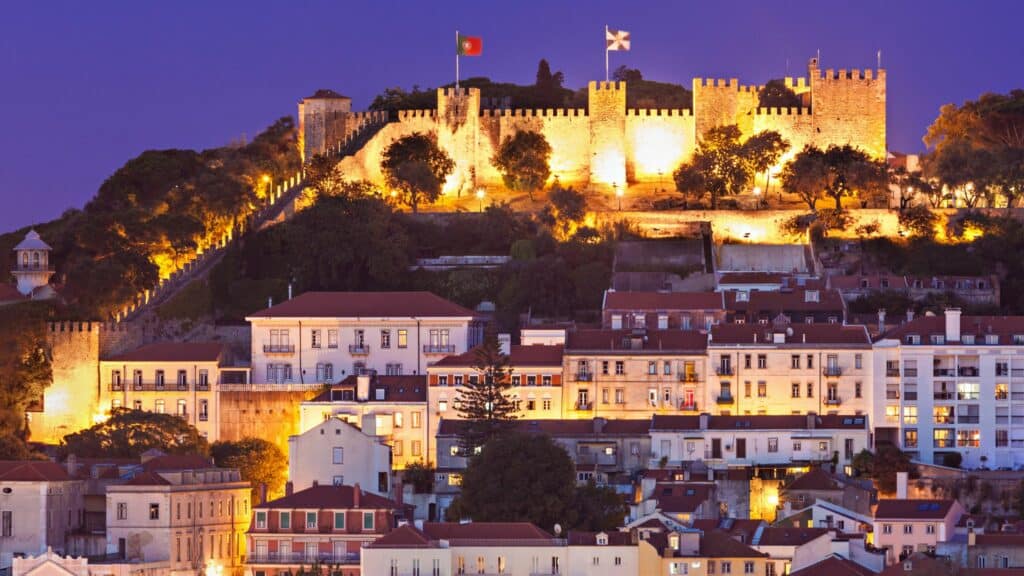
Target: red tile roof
147,478
814,479
406,388
750,278
325,497
781,536
873,281
796,335
567,427
1000,539
615,538
32,471
718,544
172,352
327,93
774,302
1005,327
366,305
912,509
659,341
173,462
735,527
8,293
615,300
405,536
681,497
757,422
834,566
521,356
454,531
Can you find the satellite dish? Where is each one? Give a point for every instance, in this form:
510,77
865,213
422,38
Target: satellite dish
558,529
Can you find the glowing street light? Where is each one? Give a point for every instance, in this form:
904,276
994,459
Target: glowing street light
480,198
266,182
757,197
618,192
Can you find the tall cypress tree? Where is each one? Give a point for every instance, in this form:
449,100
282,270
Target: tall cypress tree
484,401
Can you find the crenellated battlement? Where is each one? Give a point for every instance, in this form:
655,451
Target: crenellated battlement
410,114
854,74
774,111
533,113
606,85
452,92
645,112
796,83
85,326
720,83
371,116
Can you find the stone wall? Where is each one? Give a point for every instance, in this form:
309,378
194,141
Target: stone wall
71,402
270,415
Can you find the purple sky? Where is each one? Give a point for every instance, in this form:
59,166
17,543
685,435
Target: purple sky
88,85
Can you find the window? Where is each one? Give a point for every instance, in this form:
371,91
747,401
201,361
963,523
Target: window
748,567
794,361
284,520
620,367
810,361
604,367
908,528
796,390
746,361
746,389
762,361
396,448
858,361
545,380
182,380
910,438
154,511
403,338
416,447
773,444
159,407
666,368
315,339
182,408
762,389
310,520
122,510
620,395
399,419
332,338
546,404
457,380
810,389
910,414
886,528
338,455
652,368
442,405
1002,438
415,418
942,438
159,379
7,524
929,529
970,438
367,520
726,567
858,390
385,339
531,380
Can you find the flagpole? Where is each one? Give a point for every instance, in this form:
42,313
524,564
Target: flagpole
606,53
457,48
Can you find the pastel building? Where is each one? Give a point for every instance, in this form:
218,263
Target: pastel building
905,526
336,452
40,505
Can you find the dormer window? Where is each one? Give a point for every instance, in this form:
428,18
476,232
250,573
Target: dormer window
616,321
602,539
812,296
967,338
673,541
1018,339
913,339
937,339
991,339
742,296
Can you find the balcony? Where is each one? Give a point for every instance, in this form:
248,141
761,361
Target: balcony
33,267
892,372
834,401
967,371
910,372
942,396
689,377
724,399
833,371
144,386
943,372
279,349
300,558
203,387
968,419
584,376
438,348
359,349
723,370
584,405
691,407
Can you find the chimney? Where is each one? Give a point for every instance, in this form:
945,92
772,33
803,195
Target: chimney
355,495
263,493
289,290
316,483
704,421
289,488
972,538
952,324
881,320
812,420
71,464
505,344
362,387
910,314
901,485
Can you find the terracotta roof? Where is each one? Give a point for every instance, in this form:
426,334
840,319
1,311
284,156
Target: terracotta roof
366,305
405,388
750,278
172,352
912,509
756,422
328,94
834,566
615,300
735,527
567,427
873,281
172,462
775,301
718,544
615,538
325,497
525,356
796,334
405,536
683,497
781,536
660,341
814,479
1000,539
8,293
1004,327
454,531
147,478
32,471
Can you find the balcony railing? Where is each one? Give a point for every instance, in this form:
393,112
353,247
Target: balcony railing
34,267
1017,372
723,370
966,395
688,377
438,348
584,405
967,372
724,399
688,407
584,376
833,371
150,386
942,443
942,372
835,401
279,348
359,349
892,372
910,372
942,396
302,558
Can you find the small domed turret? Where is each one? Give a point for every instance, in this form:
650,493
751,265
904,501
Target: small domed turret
32,267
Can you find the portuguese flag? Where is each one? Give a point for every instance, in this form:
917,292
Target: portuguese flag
470,45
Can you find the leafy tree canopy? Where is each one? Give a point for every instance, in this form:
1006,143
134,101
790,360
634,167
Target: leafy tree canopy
416,167
723,165
524,161
25,370
128,433
882,466
258,461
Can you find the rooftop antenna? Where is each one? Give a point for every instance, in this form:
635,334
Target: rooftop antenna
818,57
879,58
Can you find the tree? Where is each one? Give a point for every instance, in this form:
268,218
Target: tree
548,86
517,478
597,508
570,208
25,371
323,174
806,176
128,433
416,167
952,459
421,475
919,221
965,170
258,461
908,185
484,401
882,466
524,161
719,166
762,151
625,74
775,94
841,171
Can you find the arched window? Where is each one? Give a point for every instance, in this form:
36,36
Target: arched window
35,259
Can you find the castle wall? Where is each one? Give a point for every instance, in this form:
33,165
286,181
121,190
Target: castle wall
365,164
796,125
565,131
607,132
719,102
657,142
849,108
71,402
270,415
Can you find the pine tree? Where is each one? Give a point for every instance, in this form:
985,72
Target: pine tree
484,402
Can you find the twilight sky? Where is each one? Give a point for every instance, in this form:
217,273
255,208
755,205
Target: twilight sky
88,85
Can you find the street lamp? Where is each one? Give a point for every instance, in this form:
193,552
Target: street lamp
266,182
618,193
480,198
757,197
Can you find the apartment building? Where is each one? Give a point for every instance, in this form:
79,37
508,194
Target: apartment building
781,441
633,373
336,452
905,526
325,525
40,505
179,378
183,510
953,383
789,368
800,304
391,407
662,310
328,336
698,553
535,379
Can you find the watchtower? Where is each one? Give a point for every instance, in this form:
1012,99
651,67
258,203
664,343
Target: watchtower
32,268
322,121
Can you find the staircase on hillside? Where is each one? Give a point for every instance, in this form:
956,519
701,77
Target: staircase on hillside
279,208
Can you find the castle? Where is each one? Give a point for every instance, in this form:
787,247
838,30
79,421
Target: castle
607,143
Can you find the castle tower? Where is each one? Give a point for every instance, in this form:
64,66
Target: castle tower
607,101
32,267
322,122
458,117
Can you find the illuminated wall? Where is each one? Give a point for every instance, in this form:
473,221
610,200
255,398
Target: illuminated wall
71,402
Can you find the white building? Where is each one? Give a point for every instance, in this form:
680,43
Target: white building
50,563
326,336
32,268
183,510
39,505
953,383
337,452
904,526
